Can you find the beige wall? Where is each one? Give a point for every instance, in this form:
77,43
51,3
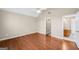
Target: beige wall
12,25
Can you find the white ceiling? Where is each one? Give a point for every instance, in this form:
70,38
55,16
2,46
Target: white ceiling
24,11
33,11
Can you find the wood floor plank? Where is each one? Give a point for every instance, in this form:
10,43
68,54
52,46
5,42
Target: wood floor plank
37,41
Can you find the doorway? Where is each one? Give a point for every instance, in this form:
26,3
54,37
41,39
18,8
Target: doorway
48,26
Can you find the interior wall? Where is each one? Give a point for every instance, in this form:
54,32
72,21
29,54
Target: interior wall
41,23
13,25
56,23
56,20
73,22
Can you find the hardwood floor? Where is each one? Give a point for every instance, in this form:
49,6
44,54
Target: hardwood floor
37,41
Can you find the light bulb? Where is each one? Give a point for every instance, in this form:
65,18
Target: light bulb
38,11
